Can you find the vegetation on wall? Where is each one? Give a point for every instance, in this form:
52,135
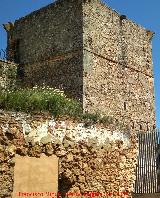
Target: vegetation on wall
46,99
38,100
41,99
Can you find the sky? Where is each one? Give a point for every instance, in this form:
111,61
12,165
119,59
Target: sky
143,12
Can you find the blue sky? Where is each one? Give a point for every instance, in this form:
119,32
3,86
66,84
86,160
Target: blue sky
143,12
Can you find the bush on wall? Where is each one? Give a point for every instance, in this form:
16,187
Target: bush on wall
38,100
46,99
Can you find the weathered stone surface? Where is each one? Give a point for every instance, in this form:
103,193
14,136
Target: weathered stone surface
97,56
101,59
119,55
85,163
58,46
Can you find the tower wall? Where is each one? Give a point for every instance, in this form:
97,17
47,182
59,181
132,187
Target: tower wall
118,76
48,46
94,54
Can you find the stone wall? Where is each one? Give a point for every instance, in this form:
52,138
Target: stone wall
49,46
63,72
47,32
117,67
8,73
93,54
91,158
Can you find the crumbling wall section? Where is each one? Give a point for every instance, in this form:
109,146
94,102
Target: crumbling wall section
91,158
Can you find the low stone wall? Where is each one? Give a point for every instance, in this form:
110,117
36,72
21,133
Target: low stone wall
91,158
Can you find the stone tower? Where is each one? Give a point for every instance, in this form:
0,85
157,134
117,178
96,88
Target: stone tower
93,53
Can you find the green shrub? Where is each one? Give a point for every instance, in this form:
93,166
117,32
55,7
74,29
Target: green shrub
94,117
48,100
106,120
38,100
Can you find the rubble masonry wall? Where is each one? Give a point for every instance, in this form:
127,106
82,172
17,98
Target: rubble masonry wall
91,158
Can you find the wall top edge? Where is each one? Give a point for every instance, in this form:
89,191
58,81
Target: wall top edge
119,15
58,2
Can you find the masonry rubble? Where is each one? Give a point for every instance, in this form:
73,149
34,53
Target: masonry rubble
91,158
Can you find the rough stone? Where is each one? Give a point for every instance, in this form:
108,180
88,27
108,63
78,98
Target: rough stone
96,56
46,139
82,168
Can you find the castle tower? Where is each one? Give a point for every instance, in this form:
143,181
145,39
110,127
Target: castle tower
93,53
